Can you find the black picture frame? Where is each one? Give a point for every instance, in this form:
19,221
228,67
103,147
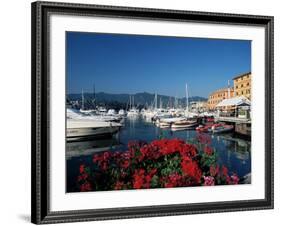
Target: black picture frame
40,212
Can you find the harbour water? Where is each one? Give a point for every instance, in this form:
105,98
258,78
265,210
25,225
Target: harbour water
232,151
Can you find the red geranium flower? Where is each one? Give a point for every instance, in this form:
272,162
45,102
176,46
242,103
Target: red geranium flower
224,171
191,169
214,170
119,185
208,150
85,187
82,168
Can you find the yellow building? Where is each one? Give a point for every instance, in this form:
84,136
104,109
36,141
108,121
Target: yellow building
219,95
242,85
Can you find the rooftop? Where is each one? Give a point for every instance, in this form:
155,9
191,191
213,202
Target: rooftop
241,75
235,101
221,90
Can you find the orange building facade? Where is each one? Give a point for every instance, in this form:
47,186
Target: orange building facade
242,85
219,95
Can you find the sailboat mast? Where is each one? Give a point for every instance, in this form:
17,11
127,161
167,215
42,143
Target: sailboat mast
155,100
133,101
176,102
82,99
94,95
186,96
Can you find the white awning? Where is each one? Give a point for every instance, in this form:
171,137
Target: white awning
235,101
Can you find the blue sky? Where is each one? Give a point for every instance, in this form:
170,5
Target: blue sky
118,63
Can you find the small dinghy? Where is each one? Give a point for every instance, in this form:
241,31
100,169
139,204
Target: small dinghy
202,128
184,124
222,128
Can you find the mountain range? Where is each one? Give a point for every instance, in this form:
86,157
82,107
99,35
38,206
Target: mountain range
139,98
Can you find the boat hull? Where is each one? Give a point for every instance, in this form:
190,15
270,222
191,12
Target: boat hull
183,126
223,130
77,130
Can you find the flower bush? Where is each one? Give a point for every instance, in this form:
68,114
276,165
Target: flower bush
162,163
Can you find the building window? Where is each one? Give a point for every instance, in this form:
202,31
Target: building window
248,84
242,92
242,85
236,87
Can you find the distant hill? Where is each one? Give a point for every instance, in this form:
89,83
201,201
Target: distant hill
140,99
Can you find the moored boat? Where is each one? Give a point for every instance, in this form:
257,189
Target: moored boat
172,119
111,112
221,128
74,114
164,125
184,124
133,112
203,128
83,129
122,112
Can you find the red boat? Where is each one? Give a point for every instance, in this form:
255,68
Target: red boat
210,127
221,128
210,119
205,128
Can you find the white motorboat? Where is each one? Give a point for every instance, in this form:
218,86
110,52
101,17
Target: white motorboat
122,112
184,124
87,112
111,112
133,112
81,129
176,112
206,114
172,119
75,114
189,114
148,113
102,111
164,124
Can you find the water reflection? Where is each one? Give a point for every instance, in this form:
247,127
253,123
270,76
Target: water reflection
84,148
239,147
232,151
